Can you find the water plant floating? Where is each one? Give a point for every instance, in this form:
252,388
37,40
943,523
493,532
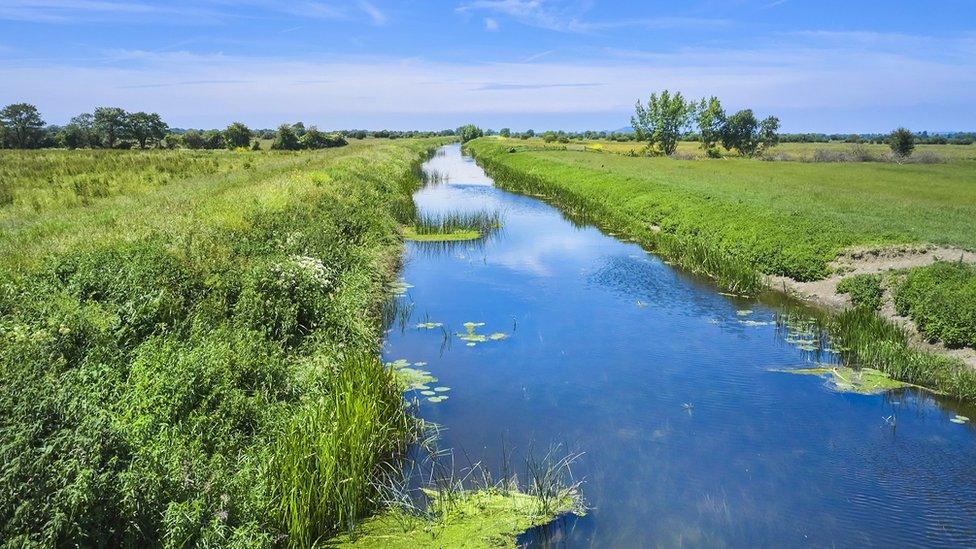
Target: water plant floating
866,381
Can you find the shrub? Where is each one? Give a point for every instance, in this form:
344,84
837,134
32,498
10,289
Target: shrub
865,290
287,299
941,300
902,142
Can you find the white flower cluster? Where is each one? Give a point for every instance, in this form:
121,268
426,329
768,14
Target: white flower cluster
313,269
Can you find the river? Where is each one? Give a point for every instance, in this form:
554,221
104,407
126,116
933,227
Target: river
669,389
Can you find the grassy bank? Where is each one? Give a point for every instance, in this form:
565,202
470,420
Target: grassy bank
188,343
736,220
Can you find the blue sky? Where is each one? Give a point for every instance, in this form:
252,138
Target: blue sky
826,65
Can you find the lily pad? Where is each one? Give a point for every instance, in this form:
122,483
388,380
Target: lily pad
429,325
428,393
866,381
497,336
744,312
959,417
442,389
436,399
470,326
411,379
957,420
400,287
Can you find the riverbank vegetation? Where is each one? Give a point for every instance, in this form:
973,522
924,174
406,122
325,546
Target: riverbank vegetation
452,226
188,353
739,220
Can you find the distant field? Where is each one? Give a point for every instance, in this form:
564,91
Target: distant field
799,151
787,218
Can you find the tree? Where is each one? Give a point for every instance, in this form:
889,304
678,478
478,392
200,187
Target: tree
505,132
469,132
237,135
902,142
662,121
85,124
23,127
146,128
70,137
285,139
298,128
213,139
192,139
710,117
109,123
768,133
740,133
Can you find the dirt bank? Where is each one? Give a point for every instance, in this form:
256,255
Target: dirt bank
876,261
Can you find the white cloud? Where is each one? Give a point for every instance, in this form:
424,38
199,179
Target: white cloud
813,74
490,24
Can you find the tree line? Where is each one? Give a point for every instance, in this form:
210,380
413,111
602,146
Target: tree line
667,116
23,127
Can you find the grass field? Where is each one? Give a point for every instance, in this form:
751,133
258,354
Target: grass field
737,219
796,151
188,343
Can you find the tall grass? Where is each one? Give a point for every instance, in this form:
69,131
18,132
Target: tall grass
327,459
457,221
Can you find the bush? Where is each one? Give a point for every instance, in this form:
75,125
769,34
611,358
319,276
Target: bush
941,300
902,142
865,290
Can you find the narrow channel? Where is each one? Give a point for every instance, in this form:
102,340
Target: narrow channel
690,432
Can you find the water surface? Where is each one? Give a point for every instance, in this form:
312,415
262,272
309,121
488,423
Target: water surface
666,387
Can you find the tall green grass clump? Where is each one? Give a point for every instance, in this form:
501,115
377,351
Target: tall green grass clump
941,300
456,222
325,470
864,289
175,358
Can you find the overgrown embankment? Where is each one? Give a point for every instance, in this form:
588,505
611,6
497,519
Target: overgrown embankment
190,358
738,220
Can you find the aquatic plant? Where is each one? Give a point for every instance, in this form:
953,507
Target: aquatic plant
452,226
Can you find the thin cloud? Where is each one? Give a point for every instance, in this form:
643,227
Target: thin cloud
378,17
500,86
490,24
569,17
186,83
538,56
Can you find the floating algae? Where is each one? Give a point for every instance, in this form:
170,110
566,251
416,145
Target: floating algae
866,381
400,287
473,338
411,379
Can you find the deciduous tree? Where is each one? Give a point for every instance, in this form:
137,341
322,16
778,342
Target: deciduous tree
902,142
23,127
110,125
661,122
237,135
